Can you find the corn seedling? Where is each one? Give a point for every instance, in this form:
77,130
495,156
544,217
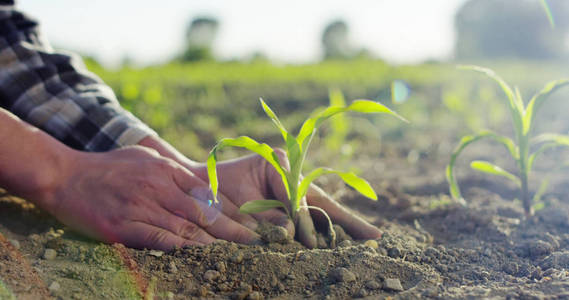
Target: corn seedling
296,149
523,118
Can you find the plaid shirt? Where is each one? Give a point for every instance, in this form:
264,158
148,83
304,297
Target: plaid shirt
55,92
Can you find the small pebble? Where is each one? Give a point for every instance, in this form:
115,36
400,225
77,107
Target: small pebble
372,285
156,253
394,252
172,267
54,287
237,257
392,284
49,254
342,275
211,275
345,243
372,244
255,296
15,243
220,266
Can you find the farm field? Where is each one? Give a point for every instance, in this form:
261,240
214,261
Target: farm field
432,247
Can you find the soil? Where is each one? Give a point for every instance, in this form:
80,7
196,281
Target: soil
431,247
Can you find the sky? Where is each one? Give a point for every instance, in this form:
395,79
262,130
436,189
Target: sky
149,32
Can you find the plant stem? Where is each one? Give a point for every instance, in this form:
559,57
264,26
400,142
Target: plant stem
330,225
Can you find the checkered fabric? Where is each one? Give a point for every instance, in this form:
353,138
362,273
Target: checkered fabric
53,90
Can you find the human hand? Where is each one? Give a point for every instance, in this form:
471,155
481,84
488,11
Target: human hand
137,197
252,178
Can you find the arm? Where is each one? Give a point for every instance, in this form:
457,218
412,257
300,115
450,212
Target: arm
53,91
132,195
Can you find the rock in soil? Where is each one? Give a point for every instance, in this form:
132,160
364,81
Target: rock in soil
392,284
342,275
49,254
211,275
15,243
372,285
54,287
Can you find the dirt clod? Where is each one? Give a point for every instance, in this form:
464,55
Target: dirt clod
211,275
275,234
255,296
372,285
394,252
172,267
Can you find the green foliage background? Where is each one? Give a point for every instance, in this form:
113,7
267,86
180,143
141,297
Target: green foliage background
194,105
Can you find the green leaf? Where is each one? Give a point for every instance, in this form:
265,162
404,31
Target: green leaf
338,123
538,99
274,118
464,142
550,140
257,206
487,167
362,106
515,103
246,142
541,190
349,178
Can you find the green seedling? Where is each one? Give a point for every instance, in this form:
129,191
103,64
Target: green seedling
296,149
523,118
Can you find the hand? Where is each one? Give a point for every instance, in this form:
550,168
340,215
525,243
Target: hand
137,197
252,178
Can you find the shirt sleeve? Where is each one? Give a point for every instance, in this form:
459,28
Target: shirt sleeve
54,91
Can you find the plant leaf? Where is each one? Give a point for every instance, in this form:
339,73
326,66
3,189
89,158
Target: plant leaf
541,190
350,178
538,99
274,118
487,167
246,142
464,142
257,206
515,104
362,106
550,140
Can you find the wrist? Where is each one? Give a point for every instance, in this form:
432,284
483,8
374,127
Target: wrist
33,165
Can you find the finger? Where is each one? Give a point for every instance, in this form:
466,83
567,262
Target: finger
305,229
178,226
200,194
141,235
353,224
227,229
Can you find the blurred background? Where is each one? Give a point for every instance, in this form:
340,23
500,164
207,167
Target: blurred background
194,70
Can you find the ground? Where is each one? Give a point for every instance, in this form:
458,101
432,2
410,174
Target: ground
431,247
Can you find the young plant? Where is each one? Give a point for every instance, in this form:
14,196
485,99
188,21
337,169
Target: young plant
523,118
296,148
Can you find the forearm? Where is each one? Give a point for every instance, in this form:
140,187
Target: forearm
31,162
